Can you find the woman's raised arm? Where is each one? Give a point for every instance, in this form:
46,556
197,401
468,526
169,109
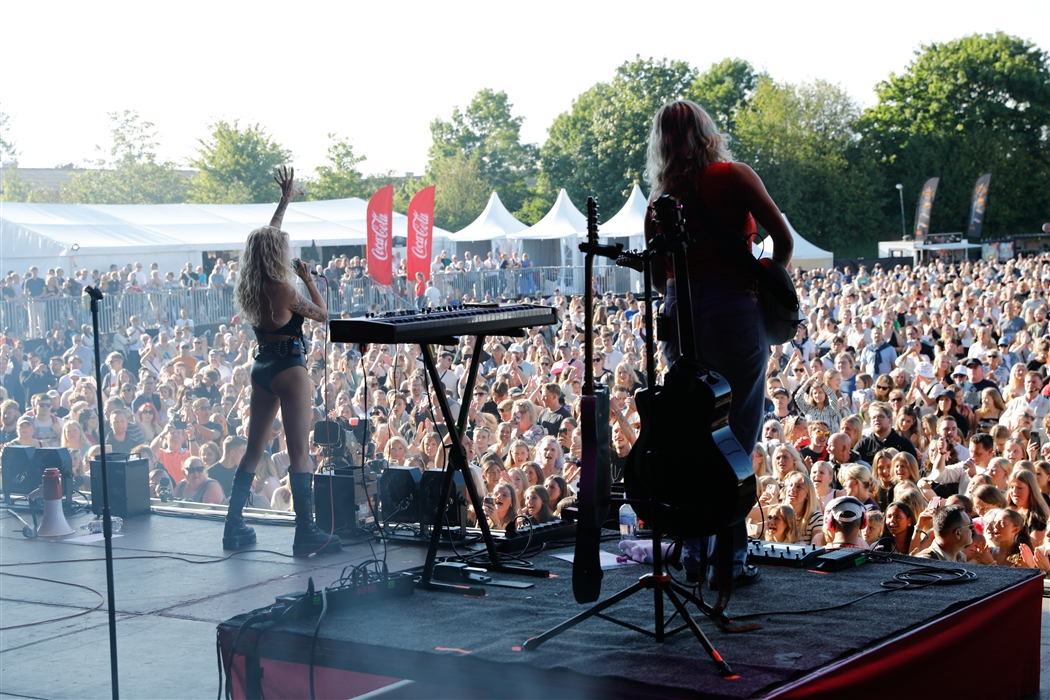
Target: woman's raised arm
285,177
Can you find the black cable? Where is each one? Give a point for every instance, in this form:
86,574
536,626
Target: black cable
916,578
313,645
102,599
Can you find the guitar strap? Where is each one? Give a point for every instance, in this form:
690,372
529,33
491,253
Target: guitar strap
733,251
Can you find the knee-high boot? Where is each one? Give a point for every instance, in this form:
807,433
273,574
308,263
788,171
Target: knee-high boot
237,535
309,539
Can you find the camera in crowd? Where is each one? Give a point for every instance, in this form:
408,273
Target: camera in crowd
341,442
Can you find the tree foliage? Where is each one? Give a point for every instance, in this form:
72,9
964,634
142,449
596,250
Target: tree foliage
973,105
480,147
131,173
598,147
724,89
802,141
461,192
342,178
8,152
237,165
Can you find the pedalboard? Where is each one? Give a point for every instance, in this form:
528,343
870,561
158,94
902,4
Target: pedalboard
798,556
307,604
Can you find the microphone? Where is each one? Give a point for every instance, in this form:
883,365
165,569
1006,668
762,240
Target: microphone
296,262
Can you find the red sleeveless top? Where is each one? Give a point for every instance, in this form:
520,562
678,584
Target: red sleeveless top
718,190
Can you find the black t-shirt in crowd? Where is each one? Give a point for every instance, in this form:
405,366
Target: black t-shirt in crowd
224,475
34,287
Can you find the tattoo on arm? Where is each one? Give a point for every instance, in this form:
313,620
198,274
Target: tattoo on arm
278,216
307,308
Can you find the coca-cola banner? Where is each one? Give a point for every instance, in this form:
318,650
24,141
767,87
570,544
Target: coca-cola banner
380,237
420,240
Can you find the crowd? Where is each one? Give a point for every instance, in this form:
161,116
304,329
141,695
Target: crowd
920,392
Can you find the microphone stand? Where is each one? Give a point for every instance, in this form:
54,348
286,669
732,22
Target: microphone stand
95,296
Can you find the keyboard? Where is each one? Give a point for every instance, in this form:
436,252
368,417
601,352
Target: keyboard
436,324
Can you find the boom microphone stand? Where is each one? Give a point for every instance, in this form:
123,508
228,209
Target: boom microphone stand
95,296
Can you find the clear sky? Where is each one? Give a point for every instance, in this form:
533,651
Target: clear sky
379,72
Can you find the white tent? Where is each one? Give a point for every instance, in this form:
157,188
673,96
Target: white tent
552,241
168,234
627,226
487,232
805,255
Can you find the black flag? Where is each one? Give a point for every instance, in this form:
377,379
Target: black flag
980,201
925,208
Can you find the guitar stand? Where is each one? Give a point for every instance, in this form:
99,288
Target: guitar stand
661,584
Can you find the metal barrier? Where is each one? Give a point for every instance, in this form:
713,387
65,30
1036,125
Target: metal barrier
354,297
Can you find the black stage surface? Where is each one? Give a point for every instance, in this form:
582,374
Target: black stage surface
168,610
470,647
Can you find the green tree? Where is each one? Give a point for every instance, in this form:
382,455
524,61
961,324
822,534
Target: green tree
12,187
598,147
803,143
461,191
487,134
237,165
972,105
342,178
724,89
131,174
8,152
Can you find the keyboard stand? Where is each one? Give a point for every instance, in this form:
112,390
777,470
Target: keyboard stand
458,462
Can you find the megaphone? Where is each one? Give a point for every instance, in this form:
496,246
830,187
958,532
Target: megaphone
53,524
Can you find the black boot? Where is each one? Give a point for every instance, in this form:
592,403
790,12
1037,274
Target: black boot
237,535
309,539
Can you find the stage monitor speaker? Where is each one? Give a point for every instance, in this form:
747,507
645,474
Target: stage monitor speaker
399,494
128,485
335,502
455,512
23,469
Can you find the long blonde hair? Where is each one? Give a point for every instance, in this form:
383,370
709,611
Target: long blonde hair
267,257
683,141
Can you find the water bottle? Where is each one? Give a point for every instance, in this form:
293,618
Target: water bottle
628,522
95,526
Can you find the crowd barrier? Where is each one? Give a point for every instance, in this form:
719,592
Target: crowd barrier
355,297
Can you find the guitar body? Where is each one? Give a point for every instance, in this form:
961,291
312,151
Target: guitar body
687,459
594,490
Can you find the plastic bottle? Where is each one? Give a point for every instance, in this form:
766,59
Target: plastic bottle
95,526
628,522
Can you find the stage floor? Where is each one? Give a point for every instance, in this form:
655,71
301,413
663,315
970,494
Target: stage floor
167,610
472,645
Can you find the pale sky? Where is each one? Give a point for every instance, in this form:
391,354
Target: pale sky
379,72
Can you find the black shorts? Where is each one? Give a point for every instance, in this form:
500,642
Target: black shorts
266,367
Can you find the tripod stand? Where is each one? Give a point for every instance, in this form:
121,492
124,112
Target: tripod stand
658,581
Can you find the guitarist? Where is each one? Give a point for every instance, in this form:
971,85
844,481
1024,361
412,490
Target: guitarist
688,159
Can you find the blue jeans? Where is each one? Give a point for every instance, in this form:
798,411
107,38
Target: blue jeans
731,340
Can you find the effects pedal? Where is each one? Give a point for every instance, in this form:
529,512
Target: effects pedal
839,559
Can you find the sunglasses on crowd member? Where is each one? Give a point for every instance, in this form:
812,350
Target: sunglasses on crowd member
883,387
194,470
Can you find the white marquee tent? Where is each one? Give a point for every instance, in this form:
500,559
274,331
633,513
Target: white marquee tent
552,241
170,235
627,226
487,232
805,255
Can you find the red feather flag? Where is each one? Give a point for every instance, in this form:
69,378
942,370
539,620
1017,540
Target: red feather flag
420,240
380,236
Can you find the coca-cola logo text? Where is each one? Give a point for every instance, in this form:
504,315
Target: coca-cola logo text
421,227
381,228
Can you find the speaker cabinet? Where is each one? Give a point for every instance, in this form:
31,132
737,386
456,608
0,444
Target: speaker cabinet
399,494
455,511
335,502
23,469
128,485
